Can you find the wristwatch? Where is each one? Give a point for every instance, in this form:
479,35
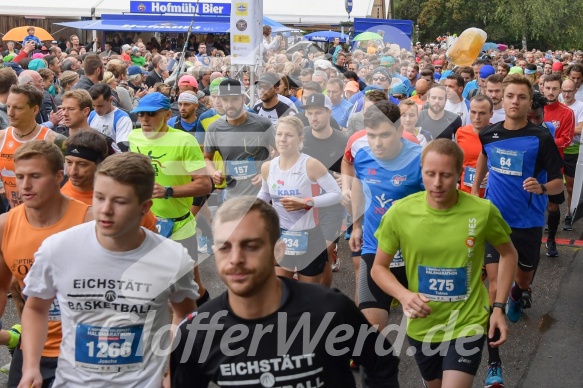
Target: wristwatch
169,192
309,203
544,189
501,306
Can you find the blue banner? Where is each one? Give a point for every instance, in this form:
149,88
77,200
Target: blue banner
180,7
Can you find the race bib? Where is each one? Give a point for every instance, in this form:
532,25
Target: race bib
443,284
296,243
108,349
507,162
469,176
397,260
164,226
242,169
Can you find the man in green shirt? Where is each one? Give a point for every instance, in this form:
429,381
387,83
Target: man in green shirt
446,303
180,174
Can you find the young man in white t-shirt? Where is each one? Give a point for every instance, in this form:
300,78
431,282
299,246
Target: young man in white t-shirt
113,280
108,119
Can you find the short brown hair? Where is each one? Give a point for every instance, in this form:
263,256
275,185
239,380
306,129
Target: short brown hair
375,95
495,79
518,79
130,169
380,112
7,79
35,96
92,140
553,78
117,69
236,208
82,97
45,73
448,148
91,64
43,149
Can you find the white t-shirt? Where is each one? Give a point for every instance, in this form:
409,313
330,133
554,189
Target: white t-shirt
499,115
460,109
115,125
577,108
113,304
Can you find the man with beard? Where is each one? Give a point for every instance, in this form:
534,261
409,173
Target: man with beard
442,124
270,105
563,119
493,89
187,121
244,140
93,68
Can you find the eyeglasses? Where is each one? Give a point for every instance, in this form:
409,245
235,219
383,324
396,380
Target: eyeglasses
382,79
149,114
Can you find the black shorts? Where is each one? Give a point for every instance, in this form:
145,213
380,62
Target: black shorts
330,220
570,164
527,242
370,294
313,261
463,354
557,199
48,367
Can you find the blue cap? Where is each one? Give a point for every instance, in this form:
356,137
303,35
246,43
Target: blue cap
133,70
152,102
486,71
399,89
36,64
446,73
373,87
436,76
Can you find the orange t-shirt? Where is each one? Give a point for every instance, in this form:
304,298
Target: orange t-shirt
8,147
19,244
469,141
148,222
417,100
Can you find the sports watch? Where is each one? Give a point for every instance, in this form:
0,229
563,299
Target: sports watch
309,203
501,306
544,189
169,192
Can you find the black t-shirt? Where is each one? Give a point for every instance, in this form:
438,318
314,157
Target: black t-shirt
444,128
328,151
302,116
271,351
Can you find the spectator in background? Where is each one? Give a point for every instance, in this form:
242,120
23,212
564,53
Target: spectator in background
31,36
67,79
93,68
7,79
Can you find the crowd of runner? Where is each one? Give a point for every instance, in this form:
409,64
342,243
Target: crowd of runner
117,174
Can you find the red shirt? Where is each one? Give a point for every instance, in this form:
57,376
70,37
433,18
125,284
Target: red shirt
563,119
469,141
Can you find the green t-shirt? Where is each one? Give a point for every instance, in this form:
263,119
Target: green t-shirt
443,251
138,61
175,156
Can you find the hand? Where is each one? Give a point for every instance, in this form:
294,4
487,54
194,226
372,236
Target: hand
29,46
218,177
532,186
159,191
415,306
166,383
151,90
346,198
31,379
355,242
141,93
338,178
56,117
256,180
497,321
293,203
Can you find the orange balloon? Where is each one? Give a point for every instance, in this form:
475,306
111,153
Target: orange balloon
467,47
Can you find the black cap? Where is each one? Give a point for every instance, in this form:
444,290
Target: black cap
230,87
268,78
293,83
319,100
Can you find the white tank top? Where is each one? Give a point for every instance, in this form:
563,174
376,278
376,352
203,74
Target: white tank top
292,183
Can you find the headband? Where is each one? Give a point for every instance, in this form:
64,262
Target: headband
187,97
84,153
529,72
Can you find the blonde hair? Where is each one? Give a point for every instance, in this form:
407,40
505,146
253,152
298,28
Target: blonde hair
108,77
293,122
448,148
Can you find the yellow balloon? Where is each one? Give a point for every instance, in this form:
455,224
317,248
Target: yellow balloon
467,47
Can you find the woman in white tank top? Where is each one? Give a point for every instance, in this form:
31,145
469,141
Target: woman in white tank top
293,182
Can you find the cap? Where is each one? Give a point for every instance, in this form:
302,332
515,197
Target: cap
486,71
133,70
126,47
214,86
231,87
188,80
152,102
516,70
399,89
382,71
293,83
8,58
322,64
38,56
319,100
53,42
36,64
351,86
268,78
387,60
188,97
200,94
438,62
436,75
530,69
557,66
14,66
328,56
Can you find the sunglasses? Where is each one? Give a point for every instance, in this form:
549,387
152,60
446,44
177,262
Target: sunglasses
149,114
438,67
382,79
399,96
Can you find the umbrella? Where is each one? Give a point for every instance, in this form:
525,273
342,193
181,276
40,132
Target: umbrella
502,47
19,33
489,46
325,36
367,35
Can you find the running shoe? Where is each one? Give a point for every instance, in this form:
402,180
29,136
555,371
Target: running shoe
526,300
494,376
202,244
568,223
552,248
513,310
5,369
335,262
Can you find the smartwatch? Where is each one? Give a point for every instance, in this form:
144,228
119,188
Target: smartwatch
501,306
309,203
544,189
169,192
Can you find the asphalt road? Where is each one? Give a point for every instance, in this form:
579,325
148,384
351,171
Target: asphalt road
541,344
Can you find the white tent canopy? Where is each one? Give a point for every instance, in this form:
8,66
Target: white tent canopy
303,12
